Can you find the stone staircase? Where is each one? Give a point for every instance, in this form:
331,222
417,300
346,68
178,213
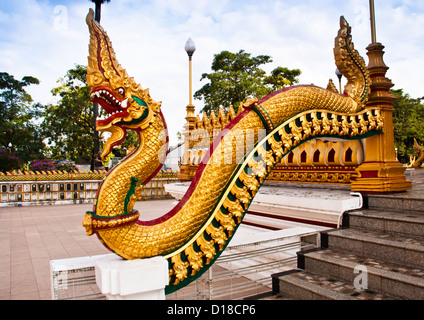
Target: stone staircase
378,254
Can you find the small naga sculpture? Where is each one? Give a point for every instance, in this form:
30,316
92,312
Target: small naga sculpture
196,231
419,152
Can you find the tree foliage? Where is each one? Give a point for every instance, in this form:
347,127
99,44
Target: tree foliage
408,123
236,77
42,165
66,165
9,161
18,114
68,125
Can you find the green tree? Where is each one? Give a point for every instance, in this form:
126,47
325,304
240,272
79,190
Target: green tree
237,77
408,123
282,77
69,124
9,161
18,118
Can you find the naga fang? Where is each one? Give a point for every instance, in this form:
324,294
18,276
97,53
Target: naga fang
196,231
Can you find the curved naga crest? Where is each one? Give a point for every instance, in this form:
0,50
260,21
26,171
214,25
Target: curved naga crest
351,65
125,101
193,234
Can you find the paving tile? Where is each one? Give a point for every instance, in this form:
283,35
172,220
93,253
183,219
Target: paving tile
23,284
4,281
23,294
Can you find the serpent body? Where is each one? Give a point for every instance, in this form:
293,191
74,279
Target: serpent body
193,234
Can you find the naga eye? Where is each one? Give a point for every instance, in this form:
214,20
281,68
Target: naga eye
121,91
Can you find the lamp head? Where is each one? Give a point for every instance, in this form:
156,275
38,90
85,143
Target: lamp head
190,47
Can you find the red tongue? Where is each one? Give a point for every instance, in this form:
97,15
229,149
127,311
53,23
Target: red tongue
103,104
108,120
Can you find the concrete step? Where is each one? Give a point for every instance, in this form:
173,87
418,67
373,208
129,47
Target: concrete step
407,202
386,278
394,248
278,222
301,285
408,223
267,296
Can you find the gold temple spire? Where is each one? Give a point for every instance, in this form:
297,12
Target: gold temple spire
381,171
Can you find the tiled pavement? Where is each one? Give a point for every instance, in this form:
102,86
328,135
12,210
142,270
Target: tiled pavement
32,236
417,178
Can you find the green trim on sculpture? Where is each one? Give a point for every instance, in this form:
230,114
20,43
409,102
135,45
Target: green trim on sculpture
234,178
143,116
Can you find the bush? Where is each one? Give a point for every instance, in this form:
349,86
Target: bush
9,161
42,165
66,166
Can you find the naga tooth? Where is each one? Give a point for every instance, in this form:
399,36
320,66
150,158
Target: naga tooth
97,94
124,104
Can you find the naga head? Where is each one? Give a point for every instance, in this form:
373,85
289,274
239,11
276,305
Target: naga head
126,103
352,66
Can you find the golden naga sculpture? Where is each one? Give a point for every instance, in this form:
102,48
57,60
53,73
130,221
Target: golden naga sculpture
193,234
419,152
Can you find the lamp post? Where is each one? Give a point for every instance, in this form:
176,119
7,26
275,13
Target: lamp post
96,147
186,173
381,171
190,48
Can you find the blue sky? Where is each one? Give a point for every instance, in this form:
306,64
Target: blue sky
45,38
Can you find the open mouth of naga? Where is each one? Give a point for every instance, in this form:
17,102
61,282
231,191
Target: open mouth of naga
114,106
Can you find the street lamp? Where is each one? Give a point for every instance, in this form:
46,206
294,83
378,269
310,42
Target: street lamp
190,48
96,146
190,117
